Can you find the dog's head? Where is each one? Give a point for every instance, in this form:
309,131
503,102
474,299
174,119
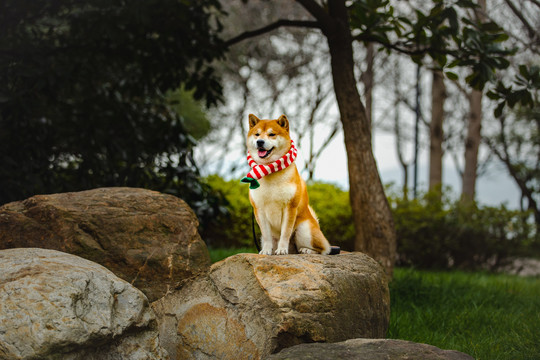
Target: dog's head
268,140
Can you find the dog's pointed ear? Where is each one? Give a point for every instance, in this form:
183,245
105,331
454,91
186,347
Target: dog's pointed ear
253,120
283,122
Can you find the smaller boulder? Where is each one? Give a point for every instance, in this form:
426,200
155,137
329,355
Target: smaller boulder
55,305
145,237
368,349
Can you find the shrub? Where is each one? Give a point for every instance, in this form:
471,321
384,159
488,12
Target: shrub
444,234
420,233
432,233
488,237
232,229
333,208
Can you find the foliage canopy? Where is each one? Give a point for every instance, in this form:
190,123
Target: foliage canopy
82,87
443,33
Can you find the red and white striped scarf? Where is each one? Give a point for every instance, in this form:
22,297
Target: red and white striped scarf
258,171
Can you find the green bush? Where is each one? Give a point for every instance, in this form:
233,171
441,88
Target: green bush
419,241
232,229
443,234
431,233
333,208
488,236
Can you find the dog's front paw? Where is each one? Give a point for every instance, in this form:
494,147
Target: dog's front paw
282,251
265,252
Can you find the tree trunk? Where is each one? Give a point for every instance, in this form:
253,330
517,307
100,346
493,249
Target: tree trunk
438,97
397,133
399,151
418,116
375,234
367,79
472,143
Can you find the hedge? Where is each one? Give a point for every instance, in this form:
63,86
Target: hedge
431,233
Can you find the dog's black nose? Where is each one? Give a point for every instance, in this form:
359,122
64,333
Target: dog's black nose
260,143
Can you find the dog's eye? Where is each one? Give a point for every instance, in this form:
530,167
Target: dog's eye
271,134
257,134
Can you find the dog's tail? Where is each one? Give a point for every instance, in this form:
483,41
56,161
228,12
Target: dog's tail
334,250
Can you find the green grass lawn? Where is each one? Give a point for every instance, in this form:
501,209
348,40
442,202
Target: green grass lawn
487,316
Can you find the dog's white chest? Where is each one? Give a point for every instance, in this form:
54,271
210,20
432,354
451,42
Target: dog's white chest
269,195
272,198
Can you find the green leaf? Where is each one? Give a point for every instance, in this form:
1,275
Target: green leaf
453,20
467,4
492,95
524,71
454,63
451,75
501,37
499,109
525,97
441,59
491,27
502,63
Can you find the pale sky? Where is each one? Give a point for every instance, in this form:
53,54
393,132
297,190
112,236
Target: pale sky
494,188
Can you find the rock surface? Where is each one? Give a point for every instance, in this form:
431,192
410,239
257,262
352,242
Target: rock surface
249,306
523,267
368,349
55,305
147,238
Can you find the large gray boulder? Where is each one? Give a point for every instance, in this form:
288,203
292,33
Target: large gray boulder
249,306
369,349
147,238
55,305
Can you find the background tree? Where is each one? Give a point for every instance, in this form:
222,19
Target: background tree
518,148
399,138
517,141
436,134
514,139
83,93
438,96
374,21
474,137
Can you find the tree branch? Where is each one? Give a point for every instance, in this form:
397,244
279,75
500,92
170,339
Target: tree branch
315,10
519,15
265,29
536,2
399,46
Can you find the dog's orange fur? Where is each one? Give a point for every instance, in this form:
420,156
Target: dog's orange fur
281,203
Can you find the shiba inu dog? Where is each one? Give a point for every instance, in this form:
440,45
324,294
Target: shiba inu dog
278,193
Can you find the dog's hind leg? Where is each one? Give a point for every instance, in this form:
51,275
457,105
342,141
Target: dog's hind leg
310,239
303,238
